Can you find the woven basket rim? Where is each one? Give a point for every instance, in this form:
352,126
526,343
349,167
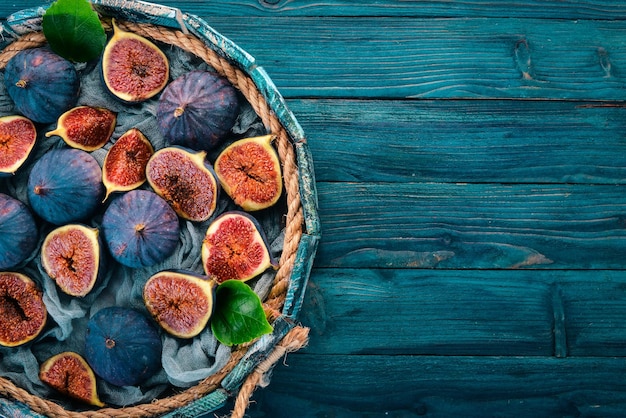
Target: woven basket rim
192,34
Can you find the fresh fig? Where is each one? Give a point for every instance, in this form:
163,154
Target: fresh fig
85,127
133,68
18,232
197,110
180,301
122,346
70,255
140,228
235,248
65,185
22,311
69,373
17,139
41,84
124,166
186,180
249,172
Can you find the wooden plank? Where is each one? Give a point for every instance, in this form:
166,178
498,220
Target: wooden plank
594,309
484,226
465,141
466,312
437,58
442,313
575,9
415,386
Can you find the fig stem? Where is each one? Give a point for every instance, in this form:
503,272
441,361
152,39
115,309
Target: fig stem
178,112
109,343
139,228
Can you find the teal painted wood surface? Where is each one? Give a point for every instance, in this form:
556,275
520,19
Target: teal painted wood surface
561,313
449,141
574,9
470,159
442,387
438,58
483,226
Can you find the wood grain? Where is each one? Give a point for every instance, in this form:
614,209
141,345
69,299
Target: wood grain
437,58
424,225
561,313
477,141
433,386
573,9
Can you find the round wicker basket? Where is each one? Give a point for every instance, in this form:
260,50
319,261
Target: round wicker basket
250,362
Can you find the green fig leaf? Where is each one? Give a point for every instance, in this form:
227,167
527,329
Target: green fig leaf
73,30
238,317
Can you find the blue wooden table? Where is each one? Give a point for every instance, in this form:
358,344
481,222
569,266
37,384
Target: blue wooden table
471,168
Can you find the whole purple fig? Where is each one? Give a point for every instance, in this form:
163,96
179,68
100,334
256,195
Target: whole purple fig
65,185
18,232
42,84
197,109
140,228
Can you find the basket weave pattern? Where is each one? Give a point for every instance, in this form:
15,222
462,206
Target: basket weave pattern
294,225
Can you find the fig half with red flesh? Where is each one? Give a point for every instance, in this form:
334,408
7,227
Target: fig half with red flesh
70,254
17,139
85,127
69,373
22,311
181,302
124,166
133,68
186,180
249,172
235,248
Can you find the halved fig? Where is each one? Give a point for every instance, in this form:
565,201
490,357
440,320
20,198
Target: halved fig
69,373
181,302
249,172
70,254
140,229
85,127
185,179
235,248
17,139
133,68
124,166
22,311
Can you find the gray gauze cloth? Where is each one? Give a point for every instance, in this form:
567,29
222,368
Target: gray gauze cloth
185,361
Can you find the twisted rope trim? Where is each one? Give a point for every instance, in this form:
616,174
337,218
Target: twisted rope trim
294,229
